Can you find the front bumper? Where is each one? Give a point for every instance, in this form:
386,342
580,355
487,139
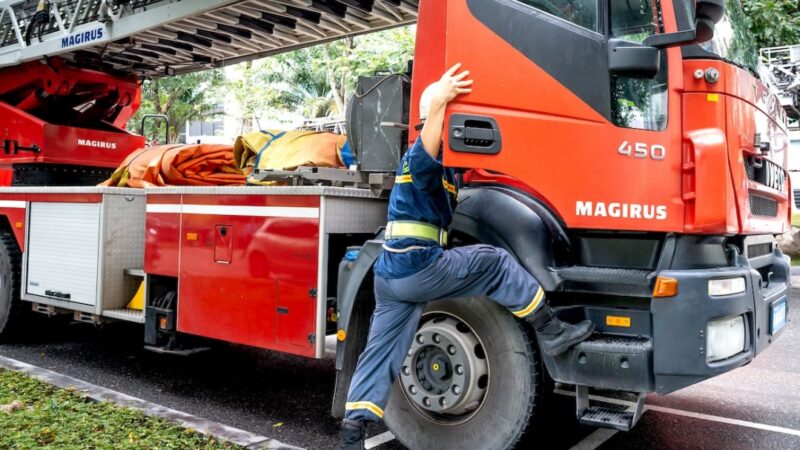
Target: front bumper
664,349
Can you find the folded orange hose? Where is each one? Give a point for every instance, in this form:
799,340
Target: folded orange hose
178,165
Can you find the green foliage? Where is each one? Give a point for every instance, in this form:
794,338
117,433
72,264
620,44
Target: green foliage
317,81
774,22
51,418
180,98
314,81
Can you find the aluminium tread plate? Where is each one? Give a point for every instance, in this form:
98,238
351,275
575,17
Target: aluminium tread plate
325,191
70,190
126,314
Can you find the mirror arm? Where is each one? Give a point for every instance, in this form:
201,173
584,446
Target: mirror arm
668,40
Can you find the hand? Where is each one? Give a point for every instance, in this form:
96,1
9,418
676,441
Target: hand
451,85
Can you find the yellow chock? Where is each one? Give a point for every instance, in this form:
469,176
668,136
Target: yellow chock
137,302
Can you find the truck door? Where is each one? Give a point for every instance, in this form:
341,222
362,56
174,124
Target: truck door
558,118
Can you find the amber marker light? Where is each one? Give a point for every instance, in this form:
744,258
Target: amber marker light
665,287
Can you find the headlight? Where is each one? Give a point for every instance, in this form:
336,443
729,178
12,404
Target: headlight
725,286
724,338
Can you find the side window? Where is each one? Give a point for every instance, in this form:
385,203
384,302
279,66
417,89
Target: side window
579,12
636,102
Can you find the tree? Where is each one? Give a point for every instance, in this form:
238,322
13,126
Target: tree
774,22
318,80
180,98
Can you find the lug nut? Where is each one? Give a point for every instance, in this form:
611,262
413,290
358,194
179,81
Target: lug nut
451,349
443,402
426,401
457,389
406,370
460,370
421,339
412,390
437,338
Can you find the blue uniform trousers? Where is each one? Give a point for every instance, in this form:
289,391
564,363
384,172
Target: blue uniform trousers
461,272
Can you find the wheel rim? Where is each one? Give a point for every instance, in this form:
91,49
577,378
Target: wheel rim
445,374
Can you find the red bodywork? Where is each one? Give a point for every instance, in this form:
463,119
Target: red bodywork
563,152
74,116
247,279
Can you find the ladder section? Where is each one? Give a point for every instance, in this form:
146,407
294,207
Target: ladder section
783,73
166,37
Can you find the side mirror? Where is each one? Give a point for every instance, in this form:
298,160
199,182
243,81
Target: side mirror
707,14
633,60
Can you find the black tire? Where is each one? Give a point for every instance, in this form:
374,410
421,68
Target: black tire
514,386
12,310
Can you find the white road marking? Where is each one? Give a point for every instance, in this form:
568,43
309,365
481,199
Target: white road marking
594,440
692,415
380,439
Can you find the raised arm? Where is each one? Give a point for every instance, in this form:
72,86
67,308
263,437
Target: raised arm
450,86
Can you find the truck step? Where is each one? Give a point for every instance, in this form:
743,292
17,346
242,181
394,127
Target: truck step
135,272
125,314
611,416
602,417
608,280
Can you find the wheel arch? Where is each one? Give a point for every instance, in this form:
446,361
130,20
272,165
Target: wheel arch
495,215
355,303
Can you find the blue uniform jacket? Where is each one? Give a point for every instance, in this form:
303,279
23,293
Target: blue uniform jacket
424,191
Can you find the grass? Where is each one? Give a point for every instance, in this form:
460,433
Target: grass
36,415
796,220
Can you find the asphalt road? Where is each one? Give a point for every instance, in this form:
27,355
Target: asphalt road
288,398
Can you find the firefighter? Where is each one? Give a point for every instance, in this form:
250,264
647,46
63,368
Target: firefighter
414,269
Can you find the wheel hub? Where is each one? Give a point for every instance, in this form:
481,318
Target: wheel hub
445,370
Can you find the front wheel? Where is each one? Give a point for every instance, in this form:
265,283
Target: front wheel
469,381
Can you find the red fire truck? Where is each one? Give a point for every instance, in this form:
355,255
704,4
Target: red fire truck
625,152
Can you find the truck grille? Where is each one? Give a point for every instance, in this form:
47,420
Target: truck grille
756,250
763,206
766,172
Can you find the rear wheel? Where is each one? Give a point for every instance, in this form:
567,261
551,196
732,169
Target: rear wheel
470,379
12,310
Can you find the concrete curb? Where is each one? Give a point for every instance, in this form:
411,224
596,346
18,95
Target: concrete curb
208,427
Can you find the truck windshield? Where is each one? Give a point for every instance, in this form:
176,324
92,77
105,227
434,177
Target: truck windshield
732,40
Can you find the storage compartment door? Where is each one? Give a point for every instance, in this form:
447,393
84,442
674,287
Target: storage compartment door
63,241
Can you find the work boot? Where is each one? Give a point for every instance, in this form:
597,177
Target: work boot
352,435
556,336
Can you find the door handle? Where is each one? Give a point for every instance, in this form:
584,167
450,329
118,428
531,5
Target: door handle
481,136
474,134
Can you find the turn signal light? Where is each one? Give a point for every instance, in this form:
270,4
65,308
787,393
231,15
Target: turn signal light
665,287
